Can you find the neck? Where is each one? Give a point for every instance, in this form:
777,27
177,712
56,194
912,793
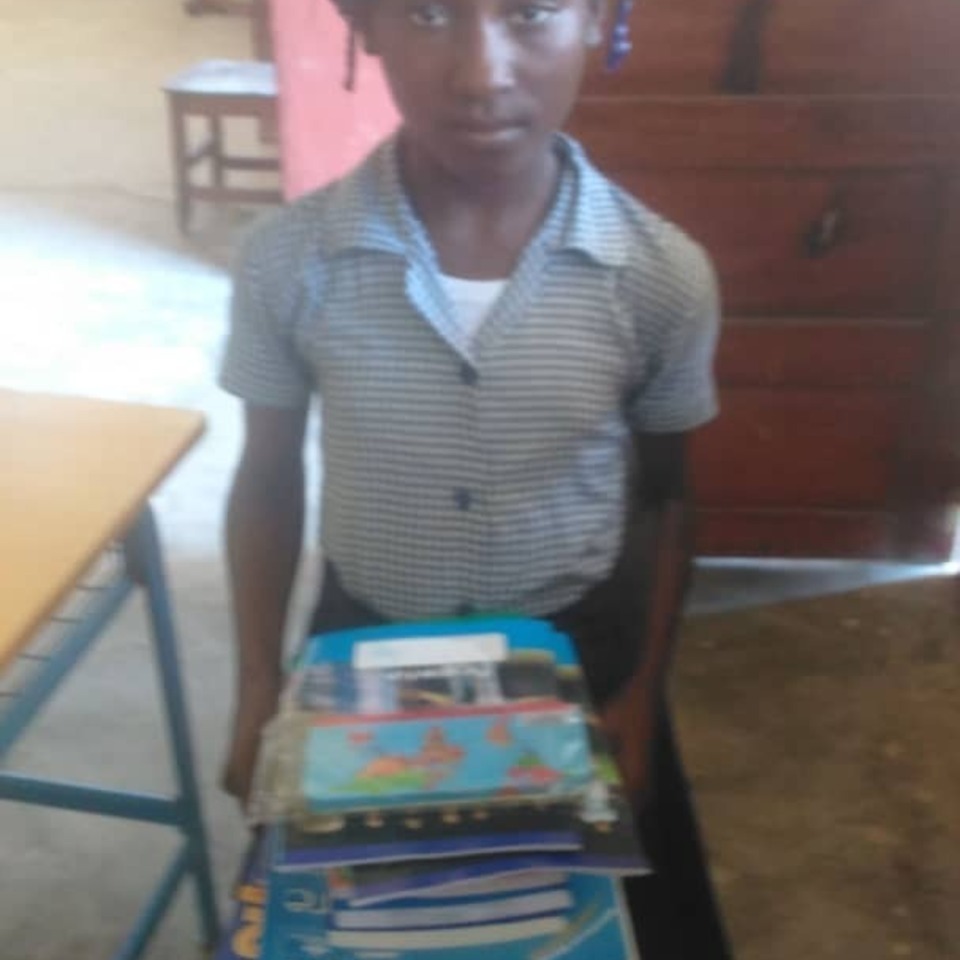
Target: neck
436,189
480,226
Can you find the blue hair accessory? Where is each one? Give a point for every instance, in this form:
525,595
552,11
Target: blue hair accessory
620,45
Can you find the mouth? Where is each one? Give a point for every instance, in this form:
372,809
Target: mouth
487,134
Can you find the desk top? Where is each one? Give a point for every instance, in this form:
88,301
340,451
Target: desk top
74,474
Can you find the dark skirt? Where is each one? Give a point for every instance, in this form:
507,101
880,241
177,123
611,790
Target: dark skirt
674,910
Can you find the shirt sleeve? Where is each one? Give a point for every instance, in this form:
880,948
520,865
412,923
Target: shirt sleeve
260,362
678,391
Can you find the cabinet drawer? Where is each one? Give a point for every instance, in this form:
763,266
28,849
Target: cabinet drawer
812,244
868,353
789,46
831,449
794,533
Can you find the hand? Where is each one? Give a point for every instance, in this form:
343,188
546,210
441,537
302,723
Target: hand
255,707
629,722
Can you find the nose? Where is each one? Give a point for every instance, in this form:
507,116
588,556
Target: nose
485,61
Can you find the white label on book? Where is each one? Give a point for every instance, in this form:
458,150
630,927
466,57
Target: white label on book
430,651
449,938
461,914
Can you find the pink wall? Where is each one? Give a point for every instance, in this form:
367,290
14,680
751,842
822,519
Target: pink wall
324,130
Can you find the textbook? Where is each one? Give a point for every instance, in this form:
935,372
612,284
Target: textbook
438,791
584,919
303,916
608,843
242,934
447,714
601,854
398,837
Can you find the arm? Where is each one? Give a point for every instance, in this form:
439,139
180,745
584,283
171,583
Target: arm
664,504
264,536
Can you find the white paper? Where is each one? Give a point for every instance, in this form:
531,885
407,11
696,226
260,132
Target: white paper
430,651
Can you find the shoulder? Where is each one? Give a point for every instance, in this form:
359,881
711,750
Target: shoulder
291,245
661,266
277,243
665,267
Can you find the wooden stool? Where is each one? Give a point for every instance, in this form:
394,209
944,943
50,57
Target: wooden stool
216,89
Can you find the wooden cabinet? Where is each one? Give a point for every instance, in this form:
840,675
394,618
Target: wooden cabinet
813,146
805,47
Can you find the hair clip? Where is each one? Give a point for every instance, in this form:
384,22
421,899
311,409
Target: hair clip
620,45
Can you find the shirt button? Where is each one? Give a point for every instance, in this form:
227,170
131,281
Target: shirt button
468,375
462,498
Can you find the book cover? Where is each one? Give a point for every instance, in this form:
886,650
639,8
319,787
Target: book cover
304,922
392,837
447,713
447,758
375,883
605,825
242,934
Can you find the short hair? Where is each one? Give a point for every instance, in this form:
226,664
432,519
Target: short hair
618,47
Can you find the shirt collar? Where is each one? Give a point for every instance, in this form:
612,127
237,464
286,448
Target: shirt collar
595,224
364,209
369,210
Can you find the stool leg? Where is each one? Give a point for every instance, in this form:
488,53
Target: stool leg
181,164
216,149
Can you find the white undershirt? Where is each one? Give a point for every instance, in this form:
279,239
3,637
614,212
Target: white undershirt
473,301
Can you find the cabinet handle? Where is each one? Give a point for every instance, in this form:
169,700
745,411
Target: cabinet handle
744,70
827,232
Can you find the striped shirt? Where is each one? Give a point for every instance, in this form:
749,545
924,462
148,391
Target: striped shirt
483,473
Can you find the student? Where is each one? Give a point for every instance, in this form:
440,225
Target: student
509,353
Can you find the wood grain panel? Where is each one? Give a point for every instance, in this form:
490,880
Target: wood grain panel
680,47
627,134
948,258
794,533
831,449
761,227
805,46
868,353
854,47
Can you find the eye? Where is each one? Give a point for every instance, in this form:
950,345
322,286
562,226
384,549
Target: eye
430,15
532,14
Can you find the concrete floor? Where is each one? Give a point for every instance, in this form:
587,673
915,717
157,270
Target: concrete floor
101,296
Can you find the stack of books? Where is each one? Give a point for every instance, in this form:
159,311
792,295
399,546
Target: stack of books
433,791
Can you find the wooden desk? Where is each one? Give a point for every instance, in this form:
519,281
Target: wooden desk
75,475
75,478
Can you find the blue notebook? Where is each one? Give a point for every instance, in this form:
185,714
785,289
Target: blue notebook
400,838
585,920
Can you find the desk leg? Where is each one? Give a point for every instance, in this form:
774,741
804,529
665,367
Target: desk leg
146,568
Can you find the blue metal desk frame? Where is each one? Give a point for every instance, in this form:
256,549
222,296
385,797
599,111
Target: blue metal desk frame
142,568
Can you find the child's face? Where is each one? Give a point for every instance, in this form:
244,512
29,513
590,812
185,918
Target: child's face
482,84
